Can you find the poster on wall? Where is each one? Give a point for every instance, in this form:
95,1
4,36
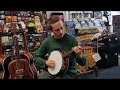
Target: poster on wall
70,27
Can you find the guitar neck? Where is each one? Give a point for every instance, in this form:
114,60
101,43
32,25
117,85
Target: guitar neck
16,46
25,42
24,37
17,55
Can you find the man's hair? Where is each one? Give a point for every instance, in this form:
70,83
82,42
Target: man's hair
53,20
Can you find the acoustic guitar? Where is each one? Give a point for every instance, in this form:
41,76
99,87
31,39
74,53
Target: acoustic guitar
18,67
4,60
26,55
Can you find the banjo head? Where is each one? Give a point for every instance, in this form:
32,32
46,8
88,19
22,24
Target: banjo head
57,57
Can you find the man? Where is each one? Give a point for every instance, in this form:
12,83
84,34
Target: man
60,41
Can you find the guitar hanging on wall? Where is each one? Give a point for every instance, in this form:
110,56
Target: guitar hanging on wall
18,68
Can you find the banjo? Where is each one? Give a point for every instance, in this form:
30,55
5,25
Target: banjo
61,62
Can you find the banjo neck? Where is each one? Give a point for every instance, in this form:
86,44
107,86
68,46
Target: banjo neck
67,53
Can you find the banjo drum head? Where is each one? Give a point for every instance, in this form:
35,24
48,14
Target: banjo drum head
57,57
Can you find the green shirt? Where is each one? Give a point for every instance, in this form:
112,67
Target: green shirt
50,44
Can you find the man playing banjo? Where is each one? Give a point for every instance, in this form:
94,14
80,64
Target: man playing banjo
59,41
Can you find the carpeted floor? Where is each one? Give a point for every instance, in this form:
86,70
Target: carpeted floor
109,73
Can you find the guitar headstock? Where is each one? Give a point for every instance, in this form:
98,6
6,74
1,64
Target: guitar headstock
21,25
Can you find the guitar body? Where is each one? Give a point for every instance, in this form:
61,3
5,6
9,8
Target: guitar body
5,64
21,73
26,55
29,58
2,58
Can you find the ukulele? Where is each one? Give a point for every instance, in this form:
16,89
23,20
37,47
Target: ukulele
26,55
18,67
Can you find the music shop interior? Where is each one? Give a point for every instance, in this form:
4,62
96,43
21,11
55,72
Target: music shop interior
97,31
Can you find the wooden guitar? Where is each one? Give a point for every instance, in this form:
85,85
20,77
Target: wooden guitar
4,60
18,67
26,55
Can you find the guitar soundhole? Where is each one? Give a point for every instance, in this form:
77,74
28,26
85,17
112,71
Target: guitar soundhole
19,72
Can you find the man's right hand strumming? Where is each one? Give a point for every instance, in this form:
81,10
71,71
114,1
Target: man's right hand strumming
50,64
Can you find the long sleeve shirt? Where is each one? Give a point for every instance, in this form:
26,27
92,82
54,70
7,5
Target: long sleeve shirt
50,44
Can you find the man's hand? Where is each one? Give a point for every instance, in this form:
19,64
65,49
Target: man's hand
77,49
50,63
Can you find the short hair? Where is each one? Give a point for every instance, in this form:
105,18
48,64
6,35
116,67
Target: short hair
53,20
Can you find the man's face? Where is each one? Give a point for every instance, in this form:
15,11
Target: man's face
58,29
